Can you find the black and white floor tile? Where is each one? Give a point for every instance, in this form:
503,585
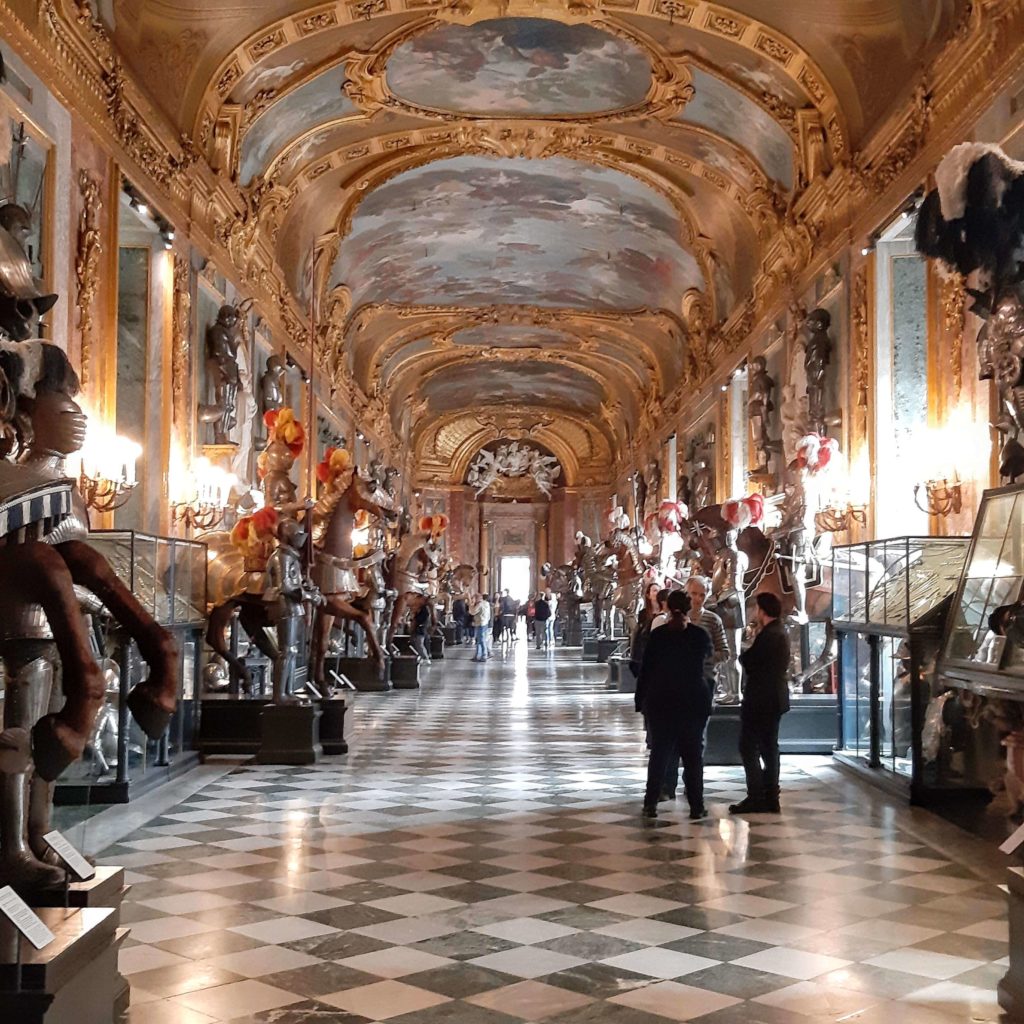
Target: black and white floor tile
478,858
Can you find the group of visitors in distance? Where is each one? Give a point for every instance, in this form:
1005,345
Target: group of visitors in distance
675,649
488,624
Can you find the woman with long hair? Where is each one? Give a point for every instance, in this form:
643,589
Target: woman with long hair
676,704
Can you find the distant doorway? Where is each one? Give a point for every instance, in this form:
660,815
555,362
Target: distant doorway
517,576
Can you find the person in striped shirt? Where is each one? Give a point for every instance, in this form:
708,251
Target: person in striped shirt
697,587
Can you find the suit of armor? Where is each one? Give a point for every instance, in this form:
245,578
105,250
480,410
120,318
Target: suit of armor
729,596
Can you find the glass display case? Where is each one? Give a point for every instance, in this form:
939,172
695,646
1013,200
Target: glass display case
891,600
168,576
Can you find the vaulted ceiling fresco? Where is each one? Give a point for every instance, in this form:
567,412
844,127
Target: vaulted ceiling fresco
524,66
527,209
556,232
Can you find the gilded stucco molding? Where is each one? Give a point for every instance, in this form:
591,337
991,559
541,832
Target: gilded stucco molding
181,331
953,298
89,250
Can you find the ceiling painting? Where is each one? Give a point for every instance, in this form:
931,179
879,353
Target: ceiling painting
520,66
529,383
479,231
319,100
509,336
726,111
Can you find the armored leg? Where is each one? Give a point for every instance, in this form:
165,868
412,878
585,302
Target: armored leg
29,687
728,691
289,639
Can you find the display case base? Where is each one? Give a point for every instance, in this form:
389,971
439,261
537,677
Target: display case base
75,978
405,673
78,794
230,725
105,889
289,734
808,728
606,647
364,674
332,726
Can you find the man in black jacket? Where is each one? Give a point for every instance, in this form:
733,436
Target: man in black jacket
765,701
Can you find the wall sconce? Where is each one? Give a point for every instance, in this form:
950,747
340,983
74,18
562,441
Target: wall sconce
945,456
209,496
942,497
106,476
835,519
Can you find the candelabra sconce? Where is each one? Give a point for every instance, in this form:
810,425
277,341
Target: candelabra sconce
103,495
106,475
941,497
833,519
209,489
196,515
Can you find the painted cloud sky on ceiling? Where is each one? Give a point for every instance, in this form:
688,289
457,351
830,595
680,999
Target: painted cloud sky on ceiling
476,230
520,66
319,100
527,382
726,111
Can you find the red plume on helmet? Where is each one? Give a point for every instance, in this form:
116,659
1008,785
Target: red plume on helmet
815,452
671,515
743,512
435,525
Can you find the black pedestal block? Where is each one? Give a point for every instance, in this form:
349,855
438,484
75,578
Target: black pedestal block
437,642
620,675
606,647
402,643
364,674
590,648
450,634
808,728
290,734
73,979
229,725
405,672
572,635
332,725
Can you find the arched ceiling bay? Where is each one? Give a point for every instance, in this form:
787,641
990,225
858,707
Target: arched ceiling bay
555,232
515,201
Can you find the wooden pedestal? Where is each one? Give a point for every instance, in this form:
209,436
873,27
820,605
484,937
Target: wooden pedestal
405,673
364,674
230,725
290,734
332,726
75,979
1011,987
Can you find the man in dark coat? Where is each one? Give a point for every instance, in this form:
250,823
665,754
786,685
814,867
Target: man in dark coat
765,701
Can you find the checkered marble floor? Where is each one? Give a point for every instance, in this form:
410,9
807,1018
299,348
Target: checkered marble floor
479,858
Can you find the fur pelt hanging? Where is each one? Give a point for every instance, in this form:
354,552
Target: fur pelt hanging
974,220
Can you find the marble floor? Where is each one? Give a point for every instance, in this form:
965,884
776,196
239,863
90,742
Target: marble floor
479,858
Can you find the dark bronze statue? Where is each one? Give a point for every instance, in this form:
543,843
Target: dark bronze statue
222,340
817,355
760,412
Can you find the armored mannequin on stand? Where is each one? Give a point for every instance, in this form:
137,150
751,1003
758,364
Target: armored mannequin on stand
729,597
286,594
55,687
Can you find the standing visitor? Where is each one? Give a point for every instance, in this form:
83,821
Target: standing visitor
662,617
644,621
542,614
531,617
697,588
765,701
676,704
459,619
480,609
508,616
552,601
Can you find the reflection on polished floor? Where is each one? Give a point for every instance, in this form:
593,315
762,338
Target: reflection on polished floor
479,858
